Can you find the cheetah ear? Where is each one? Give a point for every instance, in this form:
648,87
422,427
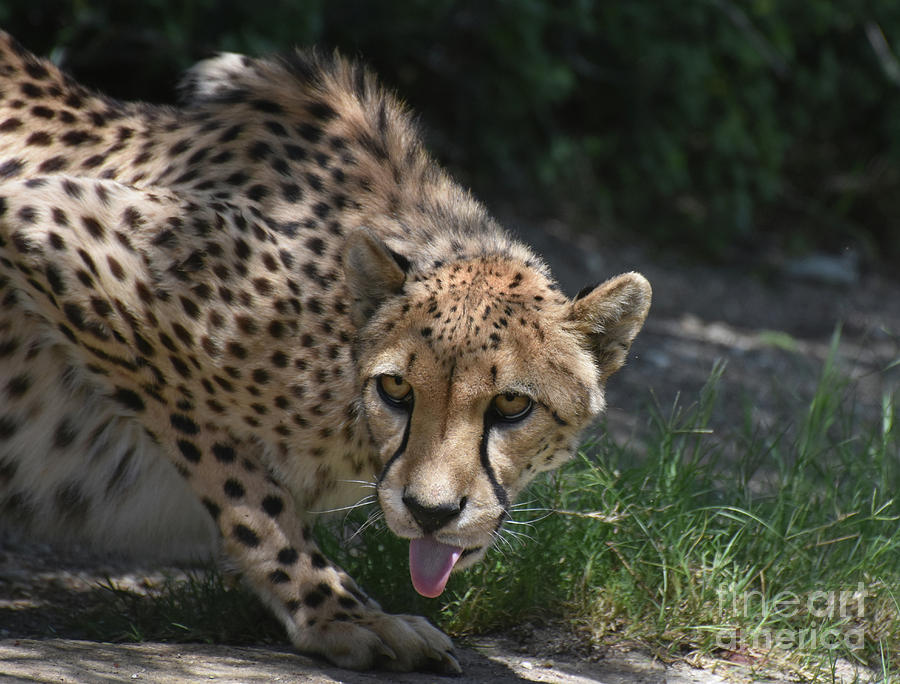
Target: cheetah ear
610,315
373,273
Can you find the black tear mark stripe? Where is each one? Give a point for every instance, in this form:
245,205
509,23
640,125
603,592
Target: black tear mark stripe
499,491
402,448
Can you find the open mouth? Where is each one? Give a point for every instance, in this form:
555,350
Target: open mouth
431,562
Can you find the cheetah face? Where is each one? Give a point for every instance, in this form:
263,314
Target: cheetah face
458,441
473,378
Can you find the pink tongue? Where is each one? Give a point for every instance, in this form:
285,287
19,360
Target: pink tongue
430,563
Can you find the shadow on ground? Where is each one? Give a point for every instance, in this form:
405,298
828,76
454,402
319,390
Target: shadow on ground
48,599
69,662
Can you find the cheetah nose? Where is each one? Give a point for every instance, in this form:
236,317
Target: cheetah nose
432,518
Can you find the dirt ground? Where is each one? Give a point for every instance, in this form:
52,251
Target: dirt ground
771,322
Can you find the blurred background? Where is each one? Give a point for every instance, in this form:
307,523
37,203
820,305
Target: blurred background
729,130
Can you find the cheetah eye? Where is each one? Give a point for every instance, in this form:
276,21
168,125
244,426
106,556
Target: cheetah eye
394,390
512,407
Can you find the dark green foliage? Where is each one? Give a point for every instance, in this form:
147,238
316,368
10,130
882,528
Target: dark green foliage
708,123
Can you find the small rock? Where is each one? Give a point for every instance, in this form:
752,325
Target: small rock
827,269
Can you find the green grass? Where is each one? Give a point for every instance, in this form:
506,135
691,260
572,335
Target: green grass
776,549
707,544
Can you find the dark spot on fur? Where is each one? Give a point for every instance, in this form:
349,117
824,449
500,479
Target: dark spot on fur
267,106
273,505
212,508
313,598
39,139
8,427
223,453
11,168
184,424
129,399
288,555
245,536
189,450
18,385
53,164
78,137
55,279
36,71
182,334
279,577
10,125
233,489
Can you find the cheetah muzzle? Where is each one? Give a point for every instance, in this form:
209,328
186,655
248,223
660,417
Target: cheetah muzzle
219,318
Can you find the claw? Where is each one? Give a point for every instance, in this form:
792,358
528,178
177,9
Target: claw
452,662
443,662
386,651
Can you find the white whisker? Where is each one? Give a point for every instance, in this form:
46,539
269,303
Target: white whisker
523,503
364,483
496,544
506,542
374,517
365,501
532,521
519,536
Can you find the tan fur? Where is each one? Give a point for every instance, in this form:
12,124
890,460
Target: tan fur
197,305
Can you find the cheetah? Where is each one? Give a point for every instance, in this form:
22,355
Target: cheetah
220,318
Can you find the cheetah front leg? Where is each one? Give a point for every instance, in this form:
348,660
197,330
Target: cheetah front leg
104,267
324,611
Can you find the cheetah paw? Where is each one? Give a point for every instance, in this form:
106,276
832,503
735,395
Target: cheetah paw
402,643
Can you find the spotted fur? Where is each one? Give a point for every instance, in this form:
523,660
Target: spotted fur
199,304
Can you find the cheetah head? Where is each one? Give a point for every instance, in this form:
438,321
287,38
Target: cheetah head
475,376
